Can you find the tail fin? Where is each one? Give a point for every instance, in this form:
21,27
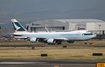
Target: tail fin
17,26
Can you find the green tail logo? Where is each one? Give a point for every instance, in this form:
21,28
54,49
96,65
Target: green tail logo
17,26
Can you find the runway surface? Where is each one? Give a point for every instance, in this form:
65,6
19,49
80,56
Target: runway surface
48,63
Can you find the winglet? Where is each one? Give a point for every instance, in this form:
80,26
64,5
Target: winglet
46,29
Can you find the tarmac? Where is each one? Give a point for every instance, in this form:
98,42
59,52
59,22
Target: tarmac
49,63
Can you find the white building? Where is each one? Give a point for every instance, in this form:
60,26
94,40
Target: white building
94,25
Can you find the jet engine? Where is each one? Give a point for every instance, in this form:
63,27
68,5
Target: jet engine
33,39
51,41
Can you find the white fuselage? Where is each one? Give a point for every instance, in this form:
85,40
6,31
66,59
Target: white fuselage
72,35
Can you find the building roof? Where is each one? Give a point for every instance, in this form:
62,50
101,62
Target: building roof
78,20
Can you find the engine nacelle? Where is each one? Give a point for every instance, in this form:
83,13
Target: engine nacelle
51,41
33,39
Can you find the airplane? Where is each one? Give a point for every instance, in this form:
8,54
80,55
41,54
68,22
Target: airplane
51,37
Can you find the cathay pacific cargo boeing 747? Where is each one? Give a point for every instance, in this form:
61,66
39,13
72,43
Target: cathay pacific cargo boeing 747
51,37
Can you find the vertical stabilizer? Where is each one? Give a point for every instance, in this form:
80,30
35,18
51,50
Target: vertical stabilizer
17,26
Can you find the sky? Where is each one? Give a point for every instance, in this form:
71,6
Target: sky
28,11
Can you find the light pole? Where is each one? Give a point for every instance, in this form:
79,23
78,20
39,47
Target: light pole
99,28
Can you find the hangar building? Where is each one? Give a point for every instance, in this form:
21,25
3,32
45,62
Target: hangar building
94,25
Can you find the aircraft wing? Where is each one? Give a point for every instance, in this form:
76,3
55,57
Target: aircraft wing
53,38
